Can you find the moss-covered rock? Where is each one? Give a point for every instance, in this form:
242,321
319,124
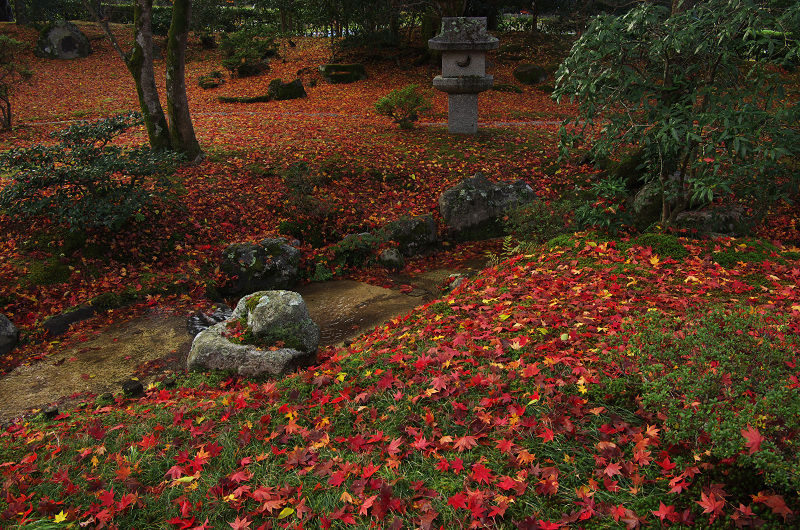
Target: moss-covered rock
62,40
473,208
280,91
342,73
530,74
251,267
270,333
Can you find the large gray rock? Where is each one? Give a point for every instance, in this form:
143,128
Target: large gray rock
62,40
9,335
277,318
473,208
251,267
414,235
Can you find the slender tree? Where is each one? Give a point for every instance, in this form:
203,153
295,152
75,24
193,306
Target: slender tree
177,134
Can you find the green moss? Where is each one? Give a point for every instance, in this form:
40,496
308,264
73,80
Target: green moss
46,272
563,240
252,303
665,245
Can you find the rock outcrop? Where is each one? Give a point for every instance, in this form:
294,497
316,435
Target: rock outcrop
62,40
473,208
251,267
270,333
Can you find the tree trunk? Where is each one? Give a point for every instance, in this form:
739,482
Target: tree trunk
20,14
140,65
181,128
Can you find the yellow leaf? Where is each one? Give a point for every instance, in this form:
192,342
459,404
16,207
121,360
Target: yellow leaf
504,317
654,261
61,517
185,479
286,512
340,377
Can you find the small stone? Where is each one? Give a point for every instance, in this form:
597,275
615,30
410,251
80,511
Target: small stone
9,335
132,388
167,382
50,412
391,258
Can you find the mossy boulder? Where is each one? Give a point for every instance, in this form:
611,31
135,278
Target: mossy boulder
413,235
269,333
342,73
62,40
210,80
473,208
280,91
251,267
530,74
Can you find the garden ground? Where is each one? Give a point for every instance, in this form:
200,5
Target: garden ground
558,389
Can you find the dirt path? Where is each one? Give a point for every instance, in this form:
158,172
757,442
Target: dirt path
159,344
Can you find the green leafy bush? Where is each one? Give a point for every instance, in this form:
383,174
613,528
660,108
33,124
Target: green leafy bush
692,89
540,221
246,51
726,383
403,105
609,211
86,182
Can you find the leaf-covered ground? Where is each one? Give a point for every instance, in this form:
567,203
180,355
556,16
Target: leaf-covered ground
529,398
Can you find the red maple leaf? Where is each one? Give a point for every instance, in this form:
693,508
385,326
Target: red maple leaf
612,469
240,524
711,504
459,500
465,442
394,446
547,435
664,511
481,473
507,483
753,439
779,507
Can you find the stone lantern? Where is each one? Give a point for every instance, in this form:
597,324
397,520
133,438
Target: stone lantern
463,43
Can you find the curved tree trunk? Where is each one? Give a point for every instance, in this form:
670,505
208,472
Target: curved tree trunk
140,65
181,127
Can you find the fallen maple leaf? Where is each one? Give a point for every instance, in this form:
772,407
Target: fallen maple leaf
753,439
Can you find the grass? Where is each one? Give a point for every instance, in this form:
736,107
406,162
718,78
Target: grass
497,406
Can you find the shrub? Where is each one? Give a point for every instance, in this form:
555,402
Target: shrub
403,105
246,52
683,86
84,181
540,221
608,212
725,383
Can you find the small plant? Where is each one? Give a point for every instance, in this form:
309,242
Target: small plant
608,212
403,105
246,52
540,221
84,181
